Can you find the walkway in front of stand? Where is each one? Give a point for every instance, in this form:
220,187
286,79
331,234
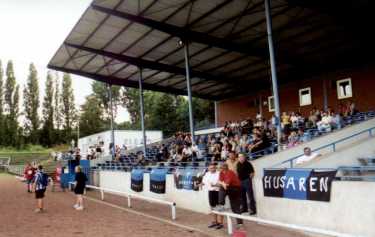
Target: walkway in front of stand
101,219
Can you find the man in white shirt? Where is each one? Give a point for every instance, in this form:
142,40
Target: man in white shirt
210,182
325,124
307,156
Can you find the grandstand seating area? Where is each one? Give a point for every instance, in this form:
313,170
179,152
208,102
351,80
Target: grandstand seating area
152,160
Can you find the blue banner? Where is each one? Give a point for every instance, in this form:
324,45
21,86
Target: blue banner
136,183
157,180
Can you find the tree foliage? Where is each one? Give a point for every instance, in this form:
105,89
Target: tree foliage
31,105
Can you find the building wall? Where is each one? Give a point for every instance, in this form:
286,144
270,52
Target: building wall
362,86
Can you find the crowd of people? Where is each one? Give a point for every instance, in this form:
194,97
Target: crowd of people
254,137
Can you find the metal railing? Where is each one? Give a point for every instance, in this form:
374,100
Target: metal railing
130,196
330,145
312,230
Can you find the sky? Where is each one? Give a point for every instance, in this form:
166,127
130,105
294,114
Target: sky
33,30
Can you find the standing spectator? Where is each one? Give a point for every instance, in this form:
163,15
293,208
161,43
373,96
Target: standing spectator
80,184
40,186
232,161
29,173
246,173
230,185
211,183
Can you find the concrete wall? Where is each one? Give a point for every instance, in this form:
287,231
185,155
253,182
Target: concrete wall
351,209
362,80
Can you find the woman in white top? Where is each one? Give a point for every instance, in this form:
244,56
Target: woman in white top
210,182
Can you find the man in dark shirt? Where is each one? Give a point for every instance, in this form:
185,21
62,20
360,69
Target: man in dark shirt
245,173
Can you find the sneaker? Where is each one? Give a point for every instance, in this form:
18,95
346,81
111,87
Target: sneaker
219,226
38,210
219,208
213,224
239,226
80,208
75,206
253,213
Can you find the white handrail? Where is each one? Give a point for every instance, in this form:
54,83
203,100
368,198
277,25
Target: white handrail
132,195
280,224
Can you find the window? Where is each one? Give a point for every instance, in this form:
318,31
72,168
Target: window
271,104
305,96
344,88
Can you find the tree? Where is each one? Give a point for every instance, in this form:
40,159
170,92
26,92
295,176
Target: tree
68,107
92,119
2,117
47,134
57,103
31,104
101,92
11,100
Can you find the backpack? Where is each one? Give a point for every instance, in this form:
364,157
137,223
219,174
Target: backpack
44,180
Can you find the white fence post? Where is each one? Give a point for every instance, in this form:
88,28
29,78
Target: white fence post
129,202
230,225
173,207
102,194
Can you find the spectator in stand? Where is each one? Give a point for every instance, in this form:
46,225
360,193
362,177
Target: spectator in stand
285,121
232,161
293,139
79,187
245,173
324,125
312,120
29,174
211,183
230,185
307,156
186,153
202,146
77,155
225,150
337,121
216,152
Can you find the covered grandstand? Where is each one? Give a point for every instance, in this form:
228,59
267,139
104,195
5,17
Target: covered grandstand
242,54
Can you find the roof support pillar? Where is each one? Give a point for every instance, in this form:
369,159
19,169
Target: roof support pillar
325,95
141,102
273,68
113,148
216,115
188,85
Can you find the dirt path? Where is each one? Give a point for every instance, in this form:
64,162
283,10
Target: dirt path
100,220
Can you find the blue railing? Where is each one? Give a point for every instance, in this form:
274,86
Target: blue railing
332,145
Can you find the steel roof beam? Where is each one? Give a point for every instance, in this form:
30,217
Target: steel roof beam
139,62
121,82
186,34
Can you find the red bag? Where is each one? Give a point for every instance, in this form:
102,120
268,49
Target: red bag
239,233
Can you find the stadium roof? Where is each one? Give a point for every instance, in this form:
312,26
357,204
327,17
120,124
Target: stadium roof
227,43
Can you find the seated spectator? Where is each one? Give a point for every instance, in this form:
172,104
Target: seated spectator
187,153
285,120
216,152
336,121
324,125
293,139
196,153
307,156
